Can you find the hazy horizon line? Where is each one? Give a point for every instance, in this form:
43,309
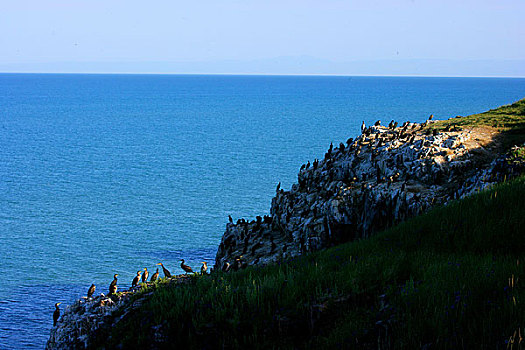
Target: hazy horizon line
270,74
286,66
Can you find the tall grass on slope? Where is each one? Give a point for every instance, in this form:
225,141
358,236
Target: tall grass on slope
449,279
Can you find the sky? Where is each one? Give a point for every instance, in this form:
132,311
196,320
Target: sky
273,37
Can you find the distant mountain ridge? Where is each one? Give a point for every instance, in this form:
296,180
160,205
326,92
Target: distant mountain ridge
294,65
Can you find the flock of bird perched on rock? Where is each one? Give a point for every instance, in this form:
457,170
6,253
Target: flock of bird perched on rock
238,263
383,169
140,277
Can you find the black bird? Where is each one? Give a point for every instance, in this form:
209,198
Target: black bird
377,123
56,314
237,263
278,187
186,268
431,116
113,285
136,279
155,276
230,219
165,270
91,290
204,267
363,127
145,275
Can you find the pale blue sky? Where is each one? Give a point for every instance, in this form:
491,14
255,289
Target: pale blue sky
268,36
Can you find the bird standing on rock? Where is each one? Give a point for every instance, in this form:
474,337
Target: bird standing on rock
56,314
145,275
155,276
113,285
230,219
136,279
204,267
165,270
239,264
186,268
91,290
363,127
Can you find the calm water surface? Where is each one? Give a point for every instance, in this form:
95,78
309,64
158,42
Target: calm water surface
104,174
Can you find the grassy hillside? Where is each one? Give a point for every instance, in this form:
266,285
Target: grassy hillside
451,278
504,118
508,120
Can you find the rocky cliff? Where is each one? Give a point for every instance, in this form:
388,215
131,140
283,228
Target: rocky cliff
382,177
374,181
88,320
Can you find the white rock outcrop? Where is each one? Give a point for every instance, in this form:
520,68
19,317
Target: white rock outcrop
381,178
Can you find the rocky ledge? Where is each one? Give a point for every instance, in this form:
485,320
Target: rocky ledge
374,181
89,319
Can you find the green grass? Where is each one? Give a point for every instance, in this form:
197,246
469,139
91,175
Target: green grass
508,120
439,281
504,118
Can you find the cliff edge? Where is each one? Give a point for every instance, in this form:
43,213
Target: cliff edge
382,177
372,182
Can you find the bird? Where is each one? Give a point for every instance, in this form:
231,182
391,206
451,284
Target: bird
230,219
204,267
239,264
431,116
236,264
155,276
136,279
113,285
377,123
91,290
363,127
186,268
145,275
113,289
56,314
165,270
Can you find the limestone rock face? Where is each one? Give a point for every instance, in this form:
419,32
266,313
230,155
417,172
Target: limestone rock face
381,178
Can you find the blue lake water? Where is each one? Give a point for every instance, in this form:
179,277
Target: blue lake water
104,174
